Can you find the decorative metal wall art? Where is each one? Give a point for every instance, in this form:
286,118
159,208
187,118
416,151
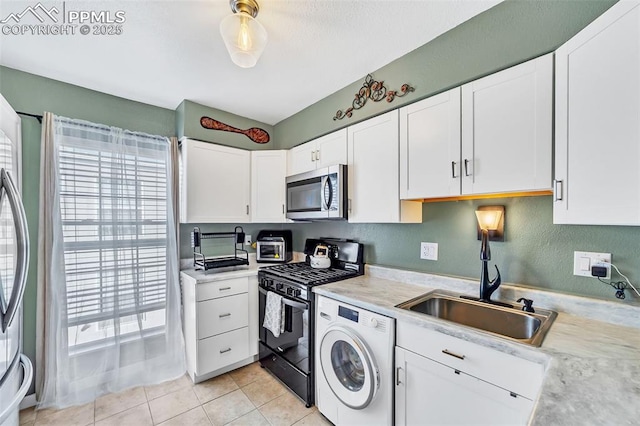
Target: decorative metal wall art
374,90
256,134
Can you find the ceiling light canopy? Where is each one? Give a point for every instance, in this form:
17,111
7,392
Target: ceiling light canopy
244,37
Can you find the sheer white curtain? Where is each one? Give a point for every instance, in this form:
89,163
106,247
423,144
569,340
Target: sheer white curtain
112,318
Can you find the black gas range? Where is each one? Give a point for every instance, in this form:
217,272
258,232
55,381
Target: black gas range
290,355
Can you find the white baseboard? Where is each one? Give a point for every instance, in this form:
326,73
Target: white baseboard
28,401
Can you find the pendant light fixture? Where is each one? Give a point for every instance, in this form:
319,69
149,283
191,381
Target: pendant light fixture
244,37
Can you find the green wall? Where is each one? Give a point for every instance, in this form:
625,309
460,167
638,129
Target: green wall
505,35
33,94
188,124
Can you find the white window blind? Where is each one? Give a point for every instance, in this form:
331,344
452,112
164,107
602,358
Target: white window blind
113,201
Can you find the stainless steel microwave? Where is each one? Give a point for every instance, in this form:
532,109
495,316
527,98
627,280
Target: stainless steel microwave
318,195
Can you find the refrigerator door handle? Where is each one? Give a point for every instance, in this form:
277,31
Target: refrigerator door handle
26,383
22,237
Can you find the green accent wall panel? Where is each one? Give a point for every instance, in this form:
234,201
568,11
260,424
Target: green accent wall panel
190,112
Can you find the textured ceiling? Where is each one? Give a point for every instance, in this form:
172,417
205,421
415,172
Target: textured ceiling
171,50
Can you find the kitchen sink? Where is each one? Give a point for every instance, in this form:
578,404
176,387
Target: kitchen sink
510,323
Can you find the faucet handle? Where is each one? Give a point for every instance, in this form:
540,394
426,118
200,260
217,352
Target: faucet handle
528,305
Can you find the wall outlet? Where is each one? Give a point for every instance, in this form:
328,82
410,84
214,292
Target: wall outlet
429,251
247,240
584,260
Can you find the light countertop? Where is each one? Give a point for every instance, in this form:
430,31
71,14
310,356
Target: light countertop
592,366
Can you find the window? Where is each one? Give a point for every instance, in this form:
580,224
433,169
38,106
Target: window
113,205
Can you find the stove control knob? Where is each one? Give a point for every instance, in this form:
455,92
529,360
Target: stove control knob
297,292
279,286
289,291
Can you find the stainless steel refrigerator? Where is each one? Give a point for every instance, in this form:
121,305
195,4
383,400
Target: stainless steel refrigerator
16,371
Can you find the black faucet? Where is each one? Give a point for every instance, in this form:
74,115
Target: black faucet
487,286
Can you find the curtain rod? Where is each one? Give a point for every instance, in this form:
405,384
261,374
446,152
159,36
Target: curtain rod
36,116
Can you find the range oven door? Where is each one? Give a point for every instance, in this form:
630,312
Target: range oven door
293,343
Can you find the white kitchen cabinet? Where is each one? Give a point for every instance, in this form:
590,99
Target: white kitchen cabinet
327,150
438,374
596,127
430,147
215,183
220,321
507,130
431,393
268,194
373,173
492,135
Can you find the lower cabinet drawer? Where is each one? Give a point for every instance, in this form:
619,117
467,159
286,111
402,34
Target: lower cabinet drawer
222,350
218,316
215,289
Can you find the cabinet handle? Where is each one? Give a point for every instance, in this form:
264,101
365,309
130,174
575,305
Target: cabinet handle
225,288
453,169
313,156
283,209
318,155
466,167
349,205
247,208
447,352
225,350
224,315
398,382
557,190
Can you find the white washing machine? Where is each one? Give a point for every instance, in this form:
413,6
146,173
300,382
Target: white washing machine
353,364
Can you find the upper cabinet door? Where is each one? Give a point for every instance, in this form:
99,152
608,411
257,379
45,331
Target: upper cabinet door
597,132
331,149
327,150
301,158
507,130
373,173
268,171
215,183
430,147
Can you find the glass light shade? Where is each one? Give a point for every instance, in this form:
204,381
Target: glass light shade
244,37
489,219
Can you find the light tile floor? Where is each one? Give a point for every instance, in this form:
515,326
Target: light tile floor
246,396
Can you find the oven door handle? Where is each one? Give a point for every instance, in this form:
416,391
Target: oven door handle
288,302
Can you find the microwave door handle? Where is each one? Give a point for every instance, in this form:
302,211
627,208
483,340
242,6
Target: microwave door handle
327,184
22,240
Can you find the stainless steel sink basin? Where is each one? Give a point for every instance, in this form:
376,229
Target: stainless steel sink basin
511,323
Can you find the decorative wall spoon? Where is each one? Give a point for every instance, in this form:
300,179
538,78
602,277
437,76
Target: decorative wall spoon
256,134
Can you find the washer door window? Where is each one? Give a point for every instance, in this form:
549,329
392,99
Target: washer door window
348,367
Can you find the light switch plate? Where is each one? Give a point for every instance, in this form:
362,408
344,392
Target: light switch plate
247,240
429,251
584,260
